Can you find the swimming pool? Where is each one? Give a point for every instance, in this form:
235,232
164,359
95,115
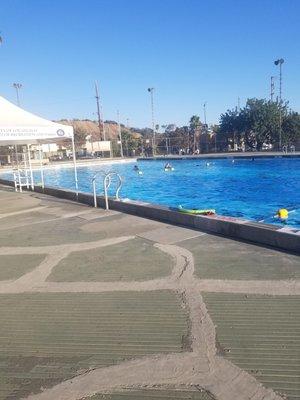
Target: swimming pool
248,188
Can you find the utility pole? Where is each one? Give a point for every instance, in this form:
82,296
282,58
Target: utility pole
205,122
204,111
272,88
99,114
120,134
279,62
239,104
151,90
18,86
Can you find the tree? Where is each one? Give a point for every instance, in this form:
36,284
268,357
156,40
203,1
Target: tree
195,126
258,124
230,130
79,137
180,138
131,144
169,128
290,128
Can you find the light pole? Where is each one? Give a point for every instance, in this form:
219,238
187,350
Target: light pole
17,86
204,111
151,90
279,62
272,88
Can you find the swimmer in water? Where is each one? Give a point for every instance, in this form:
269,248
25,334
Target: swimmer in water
168,166
137,170
282,214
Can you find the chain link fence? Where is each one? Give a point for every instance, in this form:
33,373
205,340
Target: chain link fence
144,147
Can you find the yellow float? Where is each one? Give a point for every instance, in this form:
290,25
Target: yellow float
282,213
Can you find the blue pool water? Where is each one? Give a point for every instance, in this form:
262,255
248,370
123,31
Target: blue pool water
243,188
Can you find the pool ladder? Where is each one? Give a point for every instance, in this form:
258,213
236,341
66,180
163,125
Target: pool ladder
107,180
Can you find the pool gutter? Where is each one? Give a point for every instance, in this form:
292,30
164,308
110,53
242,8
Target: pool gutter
263,234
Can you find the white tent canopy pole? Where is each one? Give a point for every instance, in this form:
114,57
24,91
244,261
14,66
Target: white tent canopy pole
75,166
41,166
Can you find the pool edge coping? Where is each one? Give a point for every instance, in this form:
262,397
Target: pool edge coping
241,229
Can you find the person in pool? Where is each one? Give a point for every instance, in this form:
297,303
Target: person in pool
168,166
282,214
137,170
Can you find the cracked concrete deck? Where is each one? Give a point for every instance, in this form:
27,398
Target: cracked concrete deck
35,224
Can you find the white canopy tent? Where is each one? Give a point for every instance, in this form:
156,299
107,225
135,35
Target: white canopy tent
20,127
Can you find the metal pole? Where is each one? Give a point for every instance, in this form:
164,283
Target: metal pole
18,98
204,109
280,80
280,93
18,171
105,191
75,165
272,87
98,109
120,134
17,86
99,113
151,90
280,62
280,127
94,191
30,168
41,165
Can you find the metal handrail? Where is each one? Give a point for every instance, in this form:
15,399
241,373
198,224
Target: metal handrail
106,184
94,187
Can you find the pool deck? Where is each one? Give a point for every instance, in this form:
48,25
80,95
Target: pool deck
100,304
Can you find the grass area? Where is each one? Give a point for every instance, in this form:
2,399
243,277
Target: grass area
47,338
135,259
155,394
221,258
261,334
14,266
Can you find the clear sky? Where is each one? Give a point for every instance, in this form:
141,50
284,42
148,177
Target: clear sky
190,51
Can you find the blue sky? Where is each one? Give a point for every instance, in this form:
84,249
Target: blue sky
190,51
